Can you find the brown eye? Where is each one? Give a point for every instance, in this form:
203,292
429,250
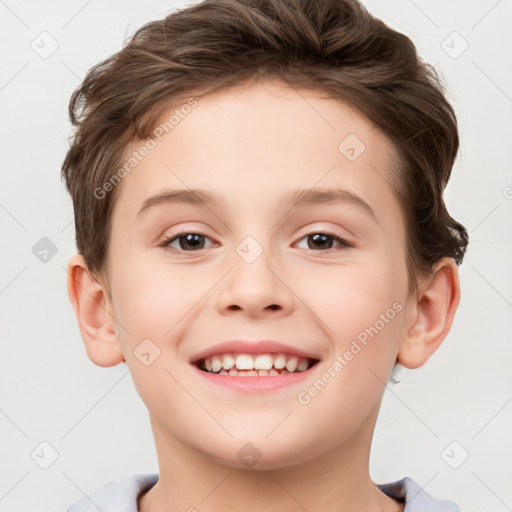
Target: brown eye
324,241
187,242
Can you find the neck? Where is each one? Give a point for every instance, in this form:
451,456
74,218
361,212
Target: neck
335,480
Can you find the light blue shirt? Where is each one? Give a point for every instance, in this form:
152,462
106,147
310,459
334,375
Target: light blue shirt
122,495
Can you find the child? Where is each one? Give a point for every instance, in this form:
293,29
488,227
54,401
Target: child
263,129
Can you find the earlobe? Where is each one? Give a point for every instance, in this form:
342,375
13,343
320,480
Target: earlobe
93,312
436,304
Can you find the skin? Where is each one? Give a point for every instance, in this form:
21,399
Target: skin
250,145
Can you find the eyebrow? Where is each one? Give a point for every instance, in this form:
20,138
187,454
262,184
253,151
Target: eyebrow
296,198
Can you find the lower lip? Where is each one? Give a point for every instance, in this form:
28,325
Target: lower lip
255,384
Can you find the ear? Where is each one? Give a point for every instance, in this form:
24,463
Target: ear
93,311
432,314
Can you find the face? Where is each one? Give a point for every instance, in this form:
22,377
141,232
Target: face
322,281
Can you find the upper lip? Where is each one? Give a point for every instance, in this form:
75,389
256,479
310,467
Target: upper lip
251,347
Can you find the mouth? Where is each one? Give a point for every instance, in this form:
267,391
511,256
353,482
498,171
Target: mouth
254,365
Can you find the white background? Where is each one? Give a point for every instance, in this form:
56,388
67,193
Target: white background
94,419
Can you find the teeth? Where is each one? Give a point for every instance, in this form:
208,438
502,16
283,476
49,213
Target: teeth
216,364
244,362
228,361
303,365
291,364
243,365
263,362
280,362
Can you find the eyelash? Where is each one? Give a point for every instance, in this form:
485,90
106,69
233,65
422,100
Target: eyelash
344,244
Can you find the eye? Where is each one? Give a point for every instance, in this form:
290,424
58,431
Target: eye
192,242
324,240
186,240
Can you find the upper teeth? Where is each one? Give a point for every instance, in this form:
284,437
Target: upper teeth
218,362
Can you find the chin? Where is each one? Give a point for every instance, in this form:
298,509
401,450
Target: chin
259,456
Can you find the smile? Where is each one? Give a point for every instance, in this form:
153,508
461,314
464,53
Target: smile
254,365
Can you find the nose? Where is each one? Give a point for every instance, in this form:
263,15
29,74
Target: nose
256,289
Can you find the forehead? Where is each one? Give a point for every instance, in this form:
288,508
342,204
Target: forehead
261,141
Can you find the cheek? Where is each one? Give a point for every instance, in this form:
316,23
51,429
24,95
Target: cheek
361,311
351,297
362,316
150,303
154,309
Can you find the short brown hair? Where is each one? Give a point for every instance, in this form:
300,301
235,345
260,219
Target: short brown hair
334,46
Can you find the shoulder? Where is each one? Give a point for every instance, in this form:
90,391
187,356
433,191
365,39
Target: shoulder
116,495
407,491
